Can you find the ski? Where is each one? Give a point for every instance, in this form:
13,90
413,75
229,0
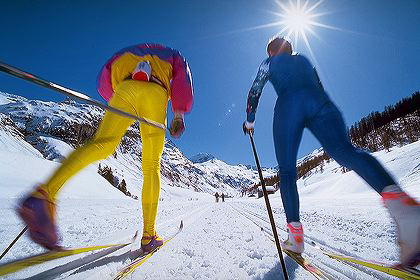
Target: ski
305,264
315,271
139,260
26,262
410,273
298,258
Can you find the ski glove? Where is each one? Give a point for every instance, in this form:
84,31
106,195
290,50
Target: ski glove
177,127
248,127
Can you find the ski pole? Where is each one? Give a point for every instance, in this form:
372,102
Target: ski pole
72,93
267,203
13,242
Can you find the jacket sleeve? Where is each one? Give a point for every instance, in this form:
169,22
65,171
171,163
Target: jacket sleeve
256,90
104,84
318,80
181,85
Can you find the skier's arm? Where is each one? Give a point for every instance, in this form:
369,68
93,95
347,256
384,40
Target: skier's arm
256,90
181,85
181,93
319,81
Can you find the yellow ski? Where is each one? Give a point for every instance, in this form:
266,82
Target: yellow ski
403,274
128,269
376,266
20,264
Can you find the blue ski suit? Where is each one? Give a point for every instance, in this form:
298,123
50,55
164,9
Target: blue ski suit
302,102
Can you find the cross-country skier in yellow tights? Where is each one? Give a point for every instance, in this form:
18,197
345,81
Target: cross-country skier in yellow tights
138,80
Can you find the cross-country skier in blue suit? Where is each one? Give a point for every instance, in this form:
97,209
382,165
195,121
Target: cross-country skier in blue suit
302,102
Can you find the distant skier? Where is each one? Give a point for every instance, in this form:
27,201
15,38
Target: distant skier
216,195
302,102
223,197
139,80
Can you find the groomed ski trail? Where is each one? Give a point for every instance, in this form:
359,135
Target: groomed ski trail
256,214
220,244
219,241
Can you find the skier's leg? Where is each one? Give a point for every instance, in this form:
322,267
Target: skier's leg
38,209
287,132
328,126
153,144
288,125
152,104
111,129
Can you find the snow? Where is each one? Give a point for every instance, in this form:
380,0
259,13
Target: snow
220,240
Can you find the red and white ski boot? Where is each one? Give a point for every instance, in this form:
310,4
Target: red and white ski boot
294,242
406,213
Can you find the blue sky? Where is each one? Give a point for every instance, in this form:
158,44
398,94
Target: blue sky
371,62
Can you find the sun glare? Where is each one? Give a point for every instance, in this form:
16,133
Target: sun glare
297,20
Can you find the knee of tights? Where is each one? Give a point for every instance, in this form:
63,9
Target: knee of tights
292,174
150,163
343,154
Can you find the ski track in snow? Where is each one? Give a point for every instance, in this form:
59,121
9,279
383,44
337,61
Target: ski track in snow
219,240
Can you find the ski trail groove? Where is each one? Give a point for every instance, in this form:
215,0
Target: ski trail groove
267,228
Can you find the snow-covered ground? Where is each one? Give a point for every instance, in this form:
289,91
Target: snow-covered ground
219,240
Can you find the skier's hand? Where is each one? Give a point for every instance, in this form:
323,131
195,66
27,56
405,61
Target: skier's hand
248,127
177,125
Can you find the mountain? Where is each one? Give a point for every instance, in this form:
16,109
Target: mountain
56,128
201,157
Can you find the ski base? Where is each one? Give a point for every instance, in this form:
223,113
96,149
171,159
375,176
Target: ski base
139,260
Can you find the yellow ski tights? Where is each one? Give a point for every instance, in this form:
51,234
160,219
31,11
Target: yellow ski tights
144,99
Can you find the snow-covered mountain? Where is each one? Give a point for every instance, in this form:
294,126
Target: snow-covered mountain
201,157
55,129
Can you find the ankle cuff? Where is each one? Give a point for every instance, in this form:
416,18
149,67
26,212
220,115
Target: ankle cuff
392,195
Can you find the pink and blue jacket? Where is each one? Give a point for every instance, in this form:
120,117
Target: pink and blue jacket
168,66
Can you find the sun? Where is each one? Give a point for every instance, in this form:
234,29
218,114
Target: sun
298,19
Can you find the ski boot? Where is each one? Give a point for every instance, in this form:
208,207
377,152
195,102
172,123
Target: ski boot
150,243
294,242
405,211
38,213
